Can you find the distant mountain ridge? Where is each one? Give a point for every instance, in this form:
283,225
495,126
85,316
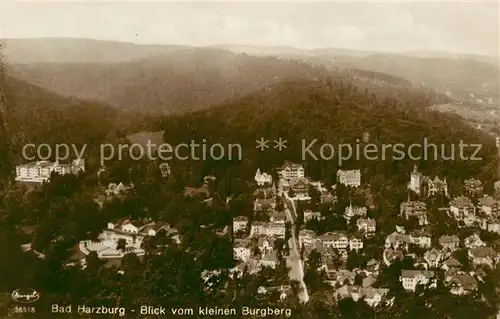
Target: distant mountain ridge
181,81
68,50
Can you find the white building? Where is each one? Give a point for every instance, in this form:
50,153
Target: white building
133,232
420,238
241,250
351,211
416,179
240,223
417,209
258,228
291,170
262,178
366,225
449,242
349,177
39,172
306,237
335,240
413,278
473,241
275,229
355,243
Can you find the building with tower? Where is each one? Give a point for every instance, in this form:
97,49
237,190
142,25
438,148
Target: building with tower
262,178
416,179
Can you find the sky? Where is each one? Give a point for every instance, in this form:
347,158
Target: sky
461,27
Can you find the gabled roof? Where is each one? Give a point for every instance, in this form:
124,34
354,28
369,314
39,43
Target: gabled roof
466,281
452,262
445,239
415,273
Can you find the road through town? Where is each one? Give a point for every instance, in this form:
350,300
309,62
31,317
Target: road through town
296,263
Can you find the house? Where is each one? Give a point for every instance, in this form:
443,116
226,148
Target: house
449,242
366,225
473,241
416,209
164,169
342,276
266,243
309,215
463,209
275,229
335,240
299,186
488,206
39,172
117,189
132,232
397,240
372,268
420,238
351,211
328,254
270,259
355,243
420,263
410,279
483,256
372,296
437,186
258,228
242,250
433,257
491,225
277,217
262,178
451,264
350,178
462,284
390,255
240,223
473,187
264,204
306,237
209,179
290,170
368,281
194,192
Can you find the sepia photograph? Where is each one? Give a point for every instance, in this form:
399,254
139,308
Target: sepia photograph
250,159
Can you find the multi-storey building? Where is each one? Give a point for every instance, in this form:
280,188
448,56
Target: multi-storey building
462,208
416,179
349,177
416,209
262,178
473,187
291,170
39,172
413,278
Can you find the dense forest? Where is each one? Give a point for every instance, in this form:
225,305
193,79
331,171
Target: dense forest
336,112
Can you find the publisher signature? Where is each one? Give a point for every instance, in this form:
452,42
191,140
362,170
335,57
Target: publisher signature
25,295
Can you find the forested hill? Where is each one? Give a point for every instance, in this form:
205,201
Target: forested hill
333,112
185,80
35,115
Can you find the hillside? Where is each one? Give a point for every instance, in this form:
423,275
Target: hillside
67,50
181,81
457,76
35,115
333,112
